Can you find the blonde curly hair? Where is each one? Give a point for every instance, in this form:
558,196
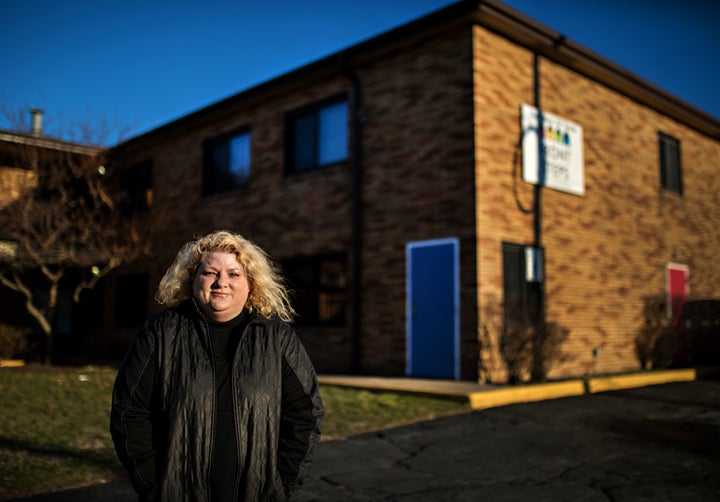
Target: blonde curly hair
268,294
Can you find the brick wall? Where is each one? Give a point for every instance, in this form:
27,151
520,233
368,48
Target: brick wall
288,216
418,185
14,183
418,170
607,250
441,158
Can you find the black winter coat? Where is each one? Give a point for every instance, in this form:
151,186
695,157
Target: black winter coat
163,409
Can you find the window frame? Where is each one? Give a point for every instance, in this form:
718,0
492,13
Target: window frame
212,178
528,309
310,293
313,111
670,163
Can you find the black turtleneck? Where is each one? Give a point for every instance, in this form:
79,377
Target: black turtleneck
224,339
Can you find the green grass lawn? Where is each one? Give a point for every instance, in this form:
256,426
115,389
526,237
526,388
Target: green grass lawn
54,424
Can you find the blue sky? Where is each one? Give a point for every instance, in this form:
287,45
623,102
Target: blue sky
137,64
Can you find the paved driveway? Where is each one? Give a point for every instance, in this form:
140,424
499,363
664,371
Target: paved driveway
658,443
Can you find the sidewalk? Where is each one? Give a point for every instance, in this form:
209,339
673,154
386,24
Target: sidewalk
483,396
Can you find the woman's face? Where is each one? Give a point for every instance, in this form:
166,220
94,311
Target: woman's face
221,287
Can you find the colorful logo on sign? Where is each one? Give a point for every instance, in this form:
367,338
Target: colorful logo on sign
554,134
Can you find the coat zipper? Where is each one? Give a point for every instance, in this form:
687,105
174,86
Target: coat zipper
236,421
214,408
208,343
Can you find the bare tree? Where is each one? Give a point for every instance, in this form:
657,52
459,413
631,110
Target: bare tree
65,213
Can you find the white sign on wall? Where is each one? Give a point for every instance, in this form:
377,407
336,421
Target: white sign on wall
562,143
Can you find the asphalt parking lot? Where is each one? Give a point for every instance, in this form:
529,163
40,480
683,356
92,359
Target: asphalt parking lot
655,443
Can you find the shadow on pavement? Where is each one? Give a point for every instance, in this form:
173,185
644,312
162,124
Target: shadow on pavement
660,442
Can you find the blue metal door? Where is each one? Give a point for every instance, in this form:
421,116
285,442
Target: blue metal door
433,324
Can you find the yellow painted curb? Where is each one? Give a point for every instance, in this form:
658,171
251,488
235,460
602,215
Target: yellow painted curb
488,396
525,394
602,384
11,363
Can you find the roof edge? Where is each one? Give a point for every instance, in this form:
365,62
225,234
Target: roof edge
509,23
49,143
551,44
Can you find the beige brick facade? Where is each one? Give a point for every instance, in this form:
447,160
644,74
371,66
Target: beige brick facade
605,251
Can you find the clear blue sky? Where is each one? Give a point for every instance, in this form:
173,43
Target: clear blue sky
137,64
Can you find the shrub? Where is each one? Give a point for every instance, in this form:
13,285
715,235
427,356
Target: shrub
13,340
528,350
652,347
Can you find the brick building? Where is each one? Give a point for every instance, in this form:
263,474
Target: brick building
390,182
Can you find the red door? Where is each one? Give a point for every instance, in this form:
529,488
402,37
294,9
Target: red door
677,290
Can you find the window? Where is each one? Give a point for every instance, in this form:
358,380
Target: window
227,162
670,173
317,136
523,298
136,184
131,300
319,285
89,312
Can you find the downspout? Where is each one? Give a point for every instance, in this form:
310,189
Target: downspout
537,200
357,216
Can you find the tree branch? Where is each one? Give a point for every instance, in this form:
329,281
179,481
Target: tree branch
17,285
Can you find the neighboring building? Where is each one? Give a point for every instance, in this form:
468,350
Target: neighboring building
32,164
389,180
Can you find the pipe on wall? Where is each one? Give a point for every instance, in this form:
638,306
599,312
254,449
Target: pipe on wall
538,191
537,199
358,116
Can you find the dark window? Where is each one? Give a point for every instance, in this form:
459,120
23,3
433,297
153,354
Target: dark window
131,300
137,188
9,157
523,298
670,172
319,286
227,162
89,312
317,136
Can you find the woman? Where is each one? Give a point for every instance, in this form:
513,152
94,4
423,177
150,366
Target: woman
216,399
